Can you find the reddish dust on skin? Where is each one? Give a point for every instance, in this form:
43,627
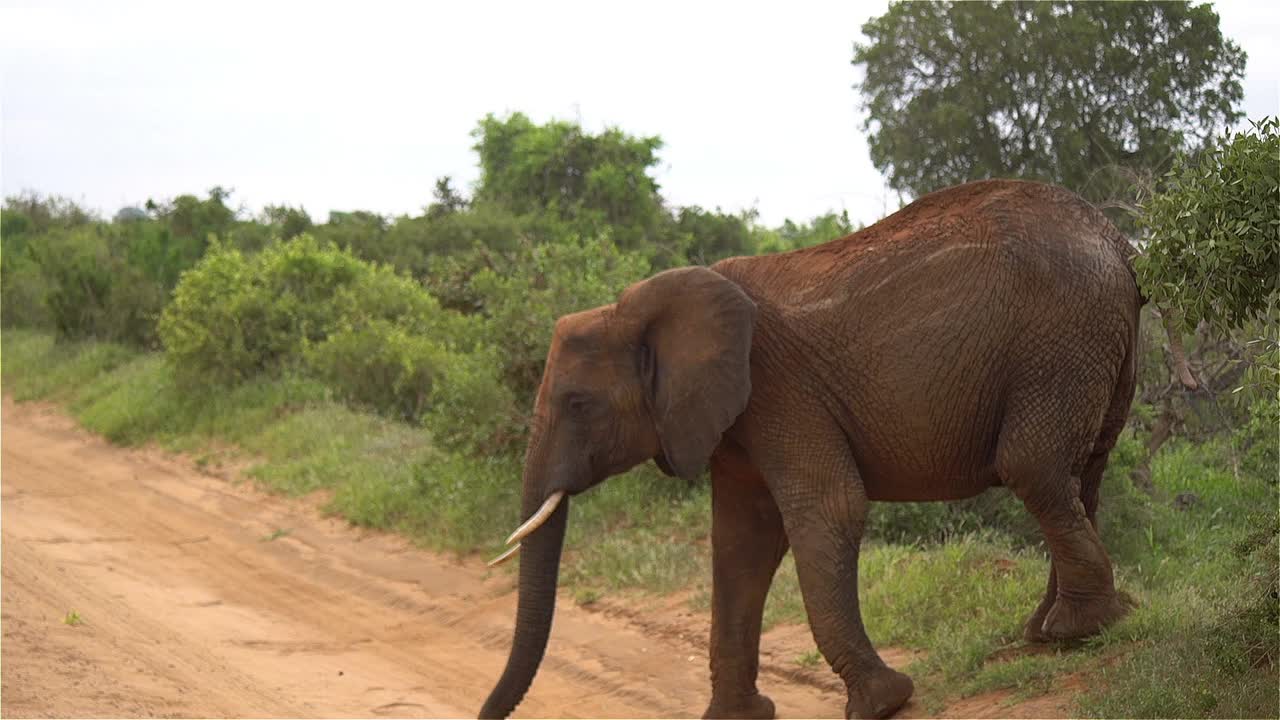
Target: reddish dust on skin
199,597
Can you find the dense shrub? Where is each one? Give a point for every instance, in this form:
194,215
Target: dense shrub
412,242
374,337
472,411
521,302
381,293
353,231
23,289
234,316
154,251
515,298
382,365
216,329
1213,252
1259,440
91,292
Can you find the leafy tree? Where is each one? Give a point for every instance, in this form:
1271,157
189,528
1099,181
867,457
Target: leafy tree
31,213
447,199
1214,231
1212,255
288,222
706,236
823,228
1214,238
521,298
357,232
596,182
190,217
1056,91
187,225
91,291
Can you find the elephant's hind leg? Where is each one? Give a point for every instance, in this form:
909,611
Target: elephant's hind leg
1090,483
1044,625
1081,597
748,542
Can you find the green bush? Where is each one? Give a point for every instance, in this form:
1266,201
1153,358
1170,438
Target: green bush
1213,250
233,317
381,365
214,328
471,410
374,337
513,300
23,289
522,302
380,293
1211,640
1259,440
91,292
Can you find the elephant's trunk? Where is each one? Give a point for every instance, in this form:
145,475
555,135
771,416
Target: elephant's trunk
539,569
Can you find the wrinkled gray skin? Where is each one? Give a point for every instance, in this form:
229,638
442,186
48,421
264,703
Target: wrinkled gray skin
982,336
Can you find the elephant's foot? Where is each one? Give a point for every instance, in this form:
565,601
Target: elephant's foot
1033,631
1071,618
879,694
753,707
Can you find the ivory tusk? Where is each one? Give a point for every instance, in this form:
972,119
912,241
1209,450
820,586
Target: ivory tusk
505,556
538,518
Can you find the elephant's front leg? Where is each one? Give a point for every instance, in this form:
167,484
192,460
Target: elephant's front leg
747,543
825,513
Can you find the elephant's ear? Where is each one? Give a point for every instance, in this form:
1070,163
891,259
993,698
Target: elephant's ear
694,328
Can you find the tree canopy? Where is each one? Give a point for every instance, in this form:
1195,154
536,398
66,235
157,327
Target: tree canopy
597,182
1055,91
1213,251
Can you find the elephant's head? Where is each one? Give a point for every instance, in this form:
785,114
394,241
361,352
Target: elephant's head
659,375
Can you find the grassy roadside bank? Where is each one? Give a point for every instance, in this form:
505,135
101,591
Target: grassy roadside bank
1201,643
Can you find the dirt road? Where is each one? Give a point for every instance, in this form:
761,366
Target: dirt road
203,597
190,610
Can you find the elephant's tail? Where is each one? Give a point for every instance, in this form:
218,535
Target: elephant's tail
1128,252
1168,317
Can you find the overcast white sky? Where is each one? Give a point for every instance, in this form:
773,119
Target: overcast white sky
363,105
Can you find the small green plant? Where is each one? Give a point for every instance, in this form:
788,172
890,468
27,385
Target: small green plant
277,534
72,618
586,596
809,659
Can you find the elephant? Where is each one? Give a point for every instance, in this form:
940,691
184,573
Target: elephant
981,336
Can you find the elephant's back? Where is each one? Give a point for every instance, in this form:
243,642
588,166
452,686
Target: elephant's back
1045,221
923,325
1003,245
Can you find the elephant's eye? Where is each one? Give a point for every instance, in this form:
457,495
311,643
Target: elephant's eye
579,404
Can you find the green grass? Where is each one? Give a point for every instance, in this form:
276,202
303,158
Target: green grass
639,530
809,659
1201,642
1206,648
50,371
